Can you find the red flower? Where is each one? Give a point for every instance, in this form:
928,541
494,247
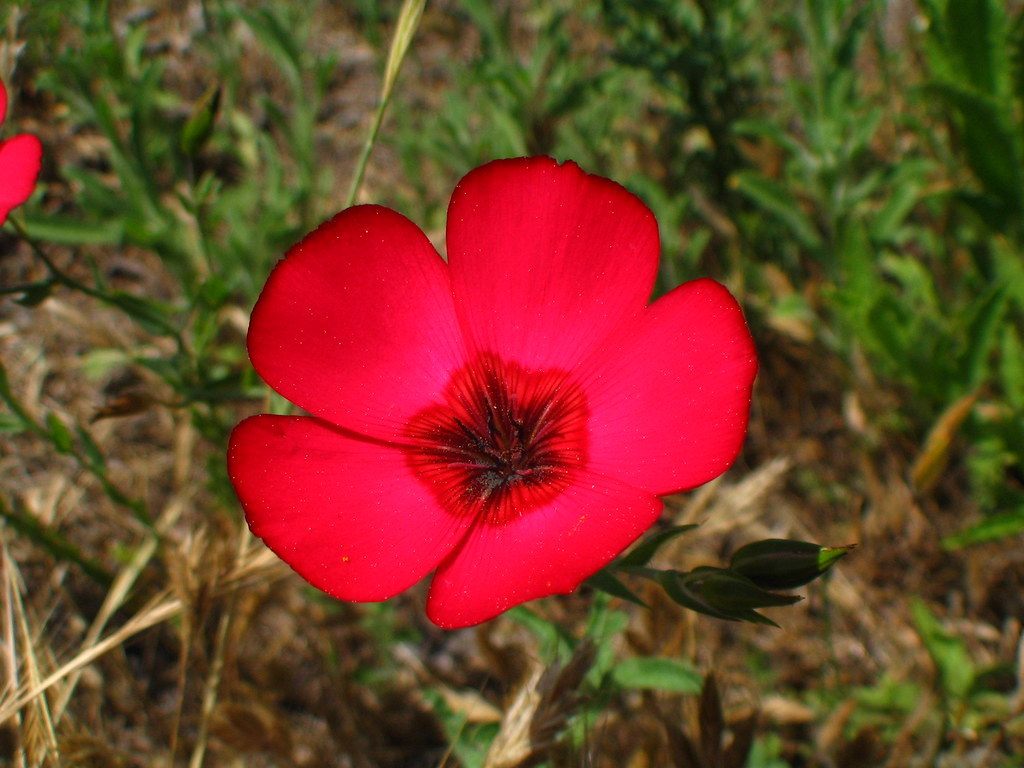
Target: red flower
508,419
20,158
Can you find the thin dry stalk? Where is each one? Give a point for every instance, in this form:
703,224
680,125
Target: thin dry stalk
542,706
256,565
160,609
10,645
188,629
217,665
118,593
1017,706
728,507
512,744
38,723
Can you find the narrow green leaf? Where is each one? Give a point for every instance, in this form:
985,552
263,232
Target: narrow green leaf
733,591
7,395
642,553
405,28
1015,57
92,450
64,230
35,294
10,424
602,626
657,674
549,635
986,318
58,547
199,126
607,582
993,528
149,314
59,434
776,199
1011,366
974,32
676,588
988,142
276,39
721,593
956,670
907,183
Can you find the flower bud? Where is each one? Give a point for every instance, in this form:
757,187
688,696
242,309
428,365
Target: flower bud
784,564
722,593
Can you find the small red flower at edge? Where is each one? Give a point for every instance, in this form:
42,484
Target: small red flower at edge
507,419
20,158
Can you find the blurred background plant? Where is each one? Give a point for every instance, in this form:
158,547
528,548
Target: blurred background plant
852,170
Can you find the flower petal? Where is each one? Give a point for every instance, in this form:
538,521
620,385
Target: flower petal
546,260
346,514
20,160
356,324
3,102
670,397
546,551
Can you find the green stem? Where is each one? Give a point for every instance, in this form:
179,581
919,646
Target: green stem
364,156
59,547
61,277
405,28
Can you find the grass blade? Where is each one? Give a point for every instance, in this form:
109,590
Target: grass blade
405,28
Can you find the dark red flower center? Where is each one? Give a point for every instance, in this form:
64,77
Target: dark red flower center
504,441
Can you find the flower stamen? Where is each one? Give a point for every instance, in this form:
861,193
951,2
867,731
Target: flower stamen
504,441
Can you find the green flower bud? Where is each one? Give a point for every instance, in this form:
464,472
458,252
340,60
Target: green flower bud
784,564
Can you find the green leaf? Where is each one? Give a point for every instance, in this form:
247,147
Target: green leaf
603,625
92,450
10,424
988,142
993,528
657,674
642,553
1011,366
1015,51
469,742
607,582
64,230
776,199
102,361
975,36
987,314
59,433
5,390
549,635
768,129
784,563
54,543
733,591
956,670
199,126
153,317
277,40
35,294
906,183
721,593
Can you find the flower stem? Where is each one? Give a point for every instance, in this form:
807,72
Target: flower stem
405,28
